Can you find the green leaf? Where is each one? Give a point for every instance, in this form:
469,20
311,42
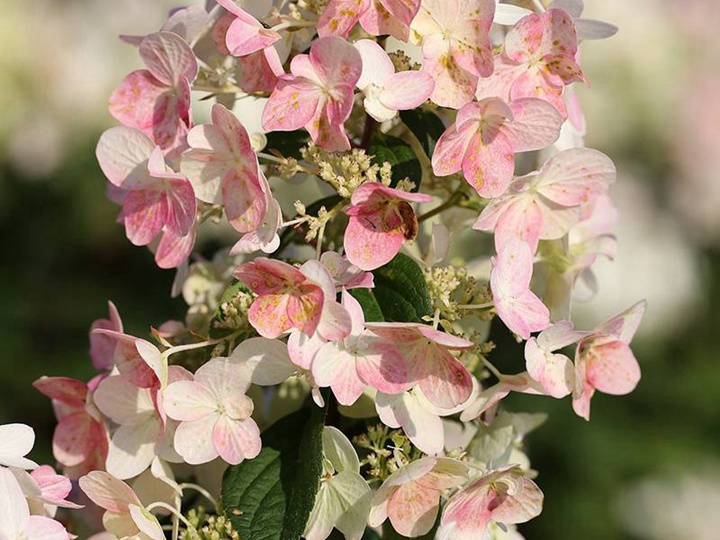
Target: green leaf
426,126
401,291
271,496
399,154
368,302
287,143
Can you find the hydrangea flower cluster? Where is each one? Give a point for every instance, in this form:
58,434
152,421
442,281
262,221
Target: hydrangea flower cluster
336,362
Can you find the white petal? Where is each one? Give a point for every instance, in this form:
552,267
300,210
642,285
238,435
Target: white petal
132,449
268,360
16,441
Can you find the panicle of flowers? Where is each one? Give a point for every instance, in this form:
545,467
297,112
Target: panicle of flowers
384,318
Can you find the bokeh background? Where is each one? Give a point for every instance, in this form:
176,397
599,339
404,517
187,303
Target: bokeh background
646,467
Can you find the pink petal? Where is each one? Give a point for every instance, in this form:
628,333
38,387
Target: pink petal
169,58
611,366
108,492
304,311
517,306
382,367
339,16
447,383
188,401
224,378
43,528
174,250
407,90
624,325
389,17
145,212
63,389
264,275
377,67
412,509
122,154
194,440
246,36
521,220
138,99
536,125
236,440
489,163
577,176
102,348
291,106
370,242
451,148
181,207
257,73
534,83
335,367
554,371
454,86
75,437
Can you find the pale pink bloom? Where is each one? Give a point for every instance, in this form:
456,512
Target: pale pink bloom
137,359
544,205
456,47
223,169
361,359
156,196
246,34
143,432
286,297
102,347
377,17
385,91
554,371
293,298
303,348
125,516
265,238
517,306
381,219
538,60
80,441
486,136
48,490
419,419
410,497
214,414
443,379
504,496
318,94
345,274
255,72
156,100
16,441
15,519
586,28
604,360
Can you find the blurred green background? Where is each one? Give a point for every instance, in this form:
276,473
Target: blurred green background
646,467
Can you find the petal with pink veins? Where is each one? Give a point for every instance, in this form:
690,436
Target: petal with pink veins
236,440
